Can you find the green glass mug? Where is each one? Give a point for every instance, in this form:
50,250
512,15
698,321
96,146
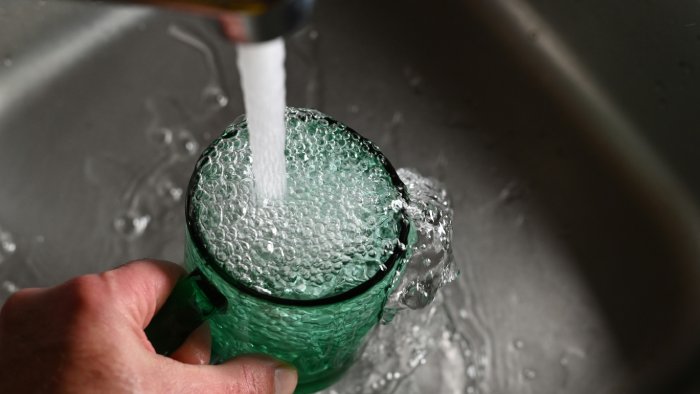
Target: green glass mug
319,333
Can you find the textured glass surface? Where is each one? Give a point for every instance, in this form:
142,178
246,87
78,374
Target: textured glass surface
337,227
320,341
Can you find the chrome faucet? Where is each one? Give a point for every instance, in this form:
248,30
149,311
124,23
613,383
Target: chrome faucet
246,20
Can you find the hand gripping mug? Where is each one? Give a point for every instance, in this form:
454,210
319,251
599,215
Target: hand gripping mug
302,279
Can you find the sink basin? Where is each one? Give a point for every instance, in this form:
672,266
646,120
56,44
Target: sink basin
570,171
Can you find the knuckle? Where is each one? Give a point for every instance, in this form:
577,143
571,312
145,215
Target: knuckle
84,294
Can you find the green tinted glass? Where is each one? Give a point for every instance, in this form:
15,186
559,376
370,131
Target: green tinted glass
303,279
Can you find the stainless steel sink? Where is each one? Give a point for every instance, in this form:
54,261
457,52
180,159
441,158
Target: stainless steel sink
564,130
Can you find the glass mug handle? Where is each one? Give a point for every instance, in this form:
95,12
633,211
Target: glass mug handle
193,300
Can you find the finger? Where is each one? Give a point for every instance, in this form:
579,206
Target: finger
245,374
196,349
232,26
259,374
140,288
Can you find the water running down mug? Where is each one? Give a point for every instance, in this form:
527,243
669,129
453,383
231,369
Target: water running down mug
320,332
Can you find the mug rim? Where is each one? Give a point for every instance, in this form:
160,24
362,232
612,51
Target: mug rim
398,252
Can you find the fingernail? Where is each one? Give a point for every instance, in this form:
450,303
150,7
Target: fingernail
285,380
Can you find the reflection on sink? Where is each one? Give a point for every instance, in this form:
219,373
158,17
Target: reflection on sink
571,279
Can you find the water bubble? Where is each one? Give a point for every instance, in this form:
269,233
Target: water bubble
320,230
7,62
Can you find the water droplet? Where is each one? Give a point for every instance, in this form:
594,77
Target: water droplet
313,34
7,245
471,371
7,61
131,225
166,188
215,97
529,373
185,144
161,136
518,344
10,287
463,314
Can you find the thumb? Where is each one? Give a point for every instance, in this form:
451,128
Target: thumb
243,375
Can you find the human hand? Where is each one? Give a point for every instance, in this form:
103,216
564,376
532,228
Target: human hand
86,336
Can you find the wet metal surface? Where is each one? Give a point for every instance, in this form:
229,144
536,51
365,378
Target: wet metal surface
577,275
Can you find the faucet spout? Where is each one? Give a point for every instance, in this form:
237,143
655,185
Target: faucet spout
246,20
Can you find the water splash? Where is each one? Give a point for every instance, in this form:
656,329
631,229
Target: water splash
432,263
429,341
412,352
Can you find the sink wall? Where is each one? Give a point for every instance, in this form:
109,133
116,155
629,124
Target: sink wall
578,274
